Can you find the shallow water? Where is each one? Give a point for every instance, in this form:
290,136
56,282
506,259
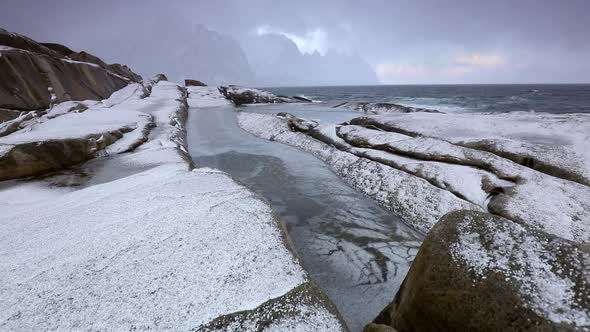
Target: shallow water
357,252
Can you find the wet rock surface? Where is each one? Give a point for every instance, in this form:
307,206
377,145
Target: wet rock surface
72,132
36,158
356,251
484,180
418,202
514,258
193,251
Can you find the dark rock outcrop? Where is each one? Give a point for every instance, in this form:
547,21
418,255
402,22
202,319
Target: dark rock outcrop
374,108
59,48
6,114
158,77
82,56
372,327
193,83
243,96
35,76
124,71
15,40
37,158
302,99
479,272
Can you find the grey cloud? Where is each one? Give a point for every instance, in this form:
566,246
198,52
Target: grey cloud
540,40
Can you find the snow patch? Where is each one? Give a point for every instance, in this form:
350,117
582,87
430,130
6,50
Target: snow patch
550,295
206,96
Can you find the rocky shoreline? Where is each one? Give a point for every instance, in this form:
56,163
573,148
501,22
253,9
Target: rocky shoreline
461,175
136,237
109,225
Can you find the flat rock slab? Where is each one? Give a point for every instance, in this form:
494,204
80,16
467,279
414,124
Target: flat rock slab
163,249
555,144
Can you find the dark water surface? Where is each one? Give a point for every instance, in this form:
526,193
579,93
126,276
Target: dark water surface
357,252
552,98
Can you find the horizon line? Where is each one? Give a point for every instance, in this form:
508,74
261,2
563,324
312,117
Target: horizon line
410,84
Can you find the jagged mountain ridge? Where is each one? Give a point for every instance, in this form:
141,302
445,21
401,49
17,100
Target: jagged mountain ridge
276,61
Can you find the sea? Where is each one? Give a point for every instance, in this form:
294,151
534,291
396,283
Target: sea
552,98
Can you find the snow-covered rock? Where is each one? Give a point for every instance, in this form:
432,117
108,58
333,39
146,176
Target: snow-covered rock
555,144
10,126
206,96
476,271
162,249
73,132
414,199
245,96
144,242
497,184
487,180
537,195
529,268
240,96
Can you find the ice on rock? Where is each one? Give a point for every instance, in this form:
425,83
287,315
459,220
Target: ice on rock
472,174
418,202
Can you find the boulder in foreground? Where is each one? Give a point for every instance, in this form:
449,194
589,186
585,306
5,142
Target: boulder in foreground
479,272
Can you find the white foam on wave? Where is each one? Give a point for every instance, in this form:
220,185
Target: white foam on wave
441,108
310,98
439,104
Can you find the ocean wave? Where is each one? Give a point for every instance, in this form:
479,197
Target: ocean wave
446,105
374,108
442,108
310,98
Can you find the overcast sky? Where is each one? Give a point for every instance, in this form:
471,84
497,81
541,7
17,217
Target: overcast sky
462,41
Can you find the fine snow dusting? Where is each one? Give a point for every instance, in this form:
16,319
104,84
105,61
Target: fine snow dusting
192,246
206,96
155,247
313,319
418,202
524,260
